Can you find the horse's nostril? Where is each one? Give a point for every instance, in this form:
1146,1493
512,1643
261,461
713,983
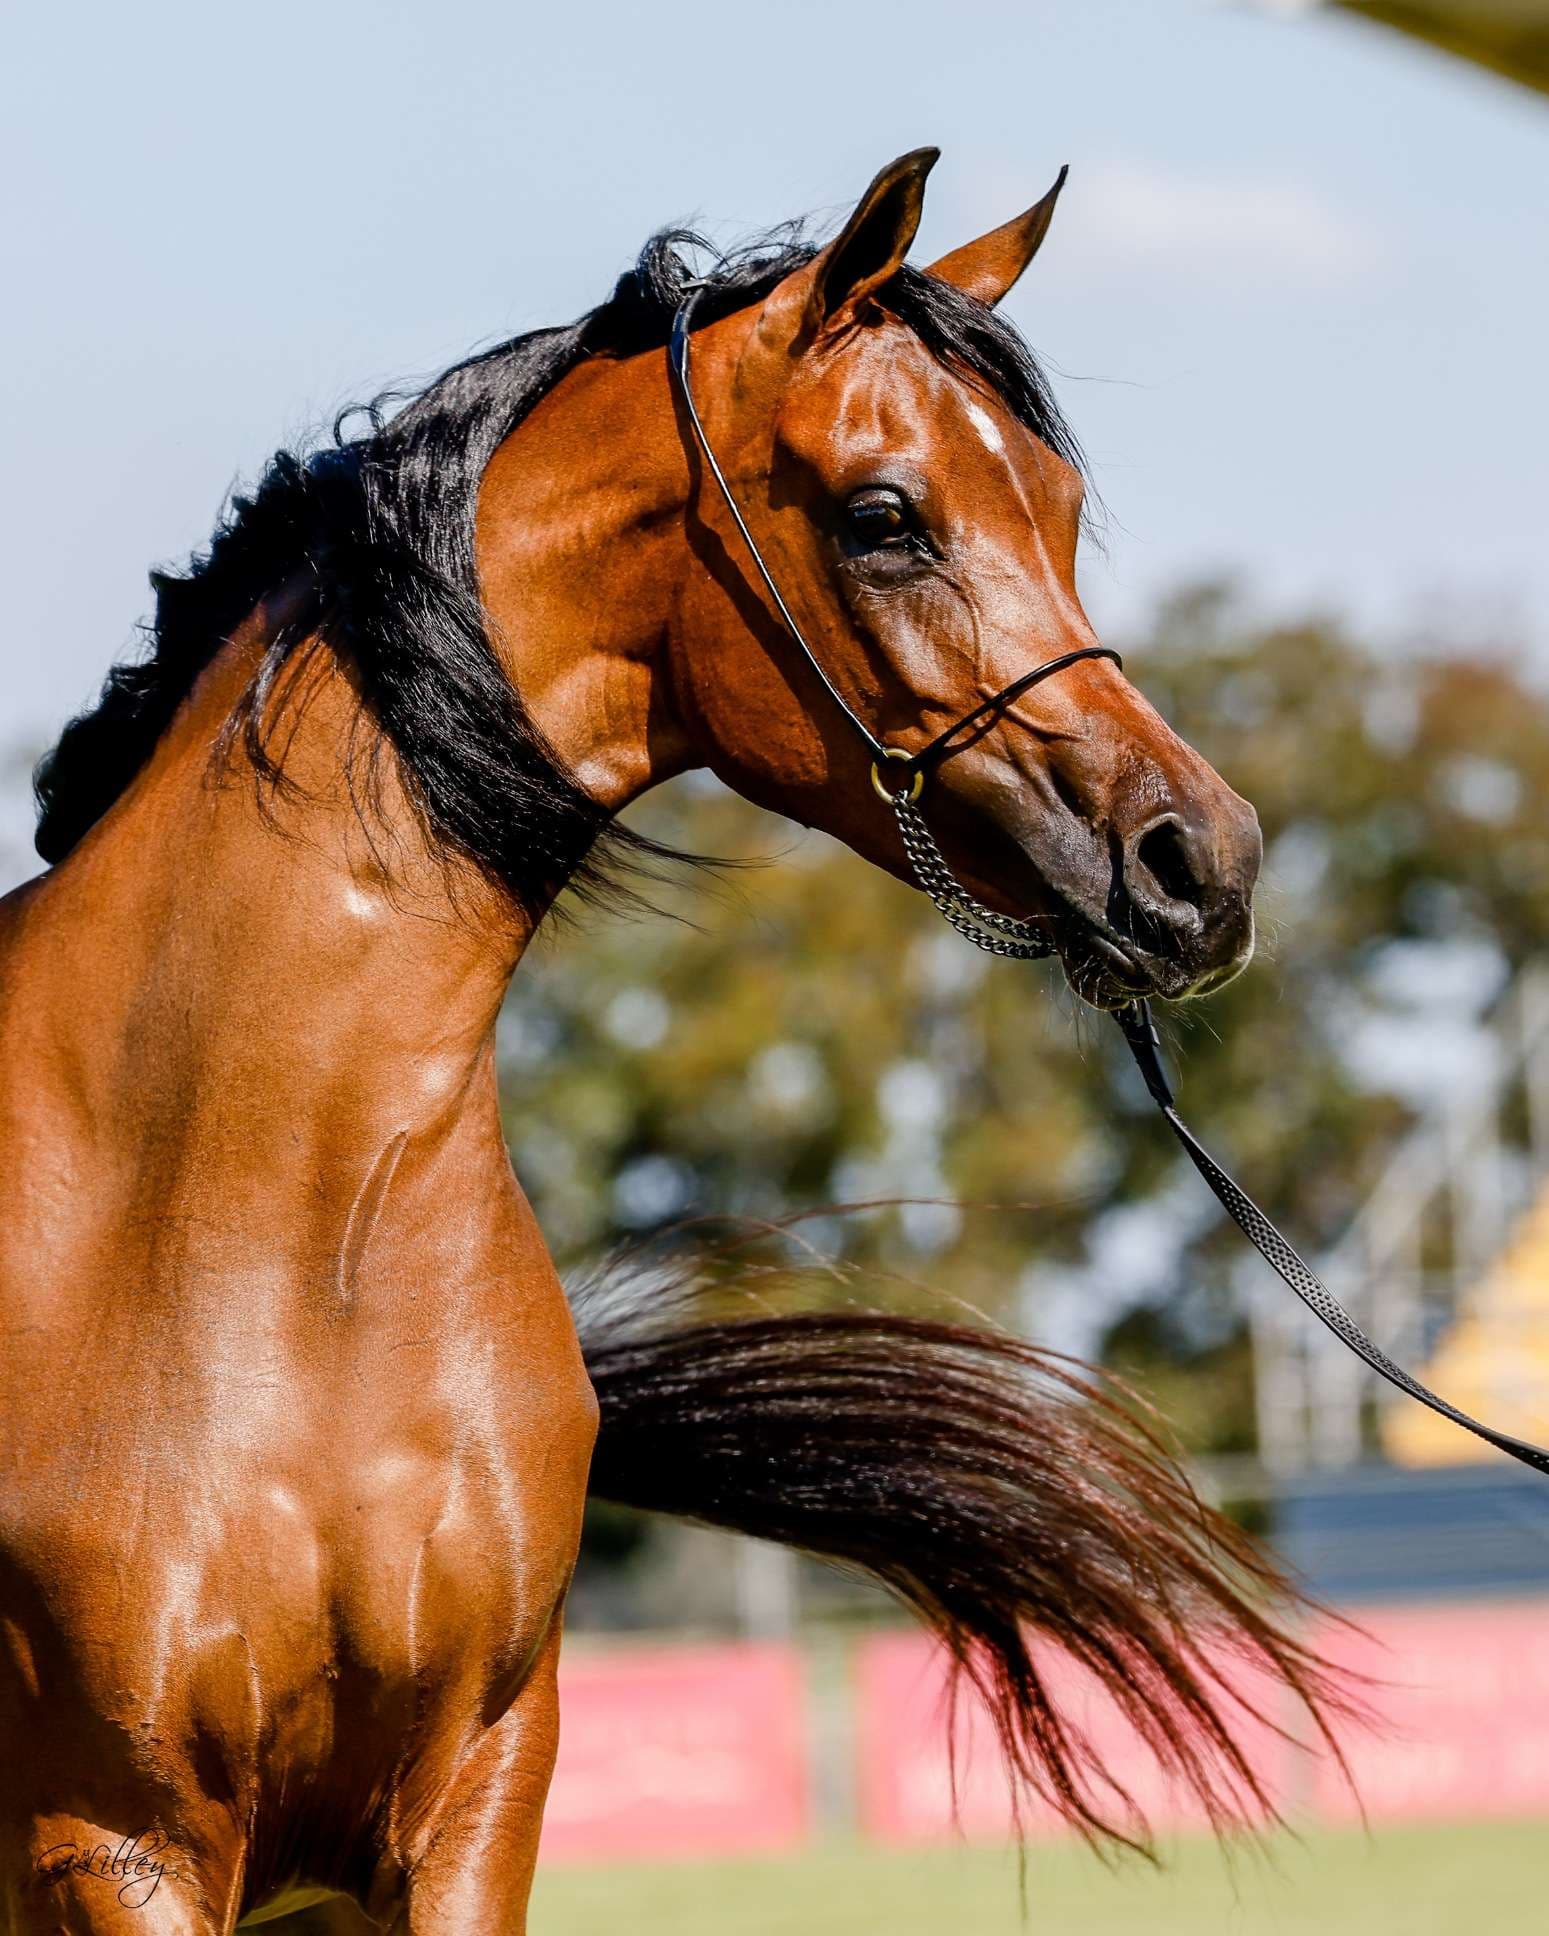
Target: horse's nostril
1163,851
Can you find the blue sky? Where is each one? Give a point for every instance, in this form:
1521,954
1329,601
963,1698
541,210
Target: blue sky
1297,290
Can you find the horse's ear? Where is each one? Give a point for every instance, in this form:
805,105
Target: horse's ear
867,251
871,246
988,267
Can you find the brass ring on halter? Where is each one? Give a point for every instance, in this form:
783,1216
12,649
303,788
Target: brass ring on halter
916,783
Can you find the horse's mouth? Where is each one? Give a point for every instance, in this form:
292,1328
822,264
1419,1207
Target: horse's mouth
1113,955
1108,971
1099,967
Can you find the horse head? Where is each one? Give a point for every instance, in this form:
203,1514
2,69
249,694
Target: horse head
909,487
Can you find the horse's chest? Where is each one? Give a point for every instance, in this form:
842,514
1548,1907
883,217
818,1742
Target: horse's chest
298,1635
328,1581
435,1574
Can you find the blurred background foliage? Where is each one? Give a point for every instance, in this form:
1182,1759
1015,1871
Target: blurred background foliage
807,1033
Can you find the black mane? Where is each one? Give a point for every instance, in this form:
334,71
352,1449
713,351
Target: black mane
382,525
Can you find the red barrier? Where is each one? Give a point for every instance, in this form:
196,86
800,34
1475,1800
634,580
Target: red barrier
1465,1705
692,1751
678,1751
1463,1733
905,1772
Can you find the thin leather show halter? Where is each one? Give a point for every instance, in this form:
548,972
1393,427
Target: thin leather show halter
1004,934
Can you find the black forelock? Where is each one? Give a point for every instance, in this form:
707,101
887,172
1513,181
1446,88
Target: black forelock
378,529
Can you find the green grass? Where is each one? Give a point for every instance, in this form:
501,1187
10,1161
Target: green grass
1477,1881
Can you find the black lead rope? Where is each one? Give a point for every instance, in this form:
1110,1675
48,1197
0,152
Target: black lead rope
1000,934
1019,940
1281,1256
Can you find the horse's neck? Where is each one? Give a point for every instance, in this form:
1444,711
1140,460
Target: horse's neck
580,553
218,987
265,998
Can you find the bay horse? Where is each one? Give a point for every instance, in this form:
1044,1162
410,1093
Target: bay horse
296,1425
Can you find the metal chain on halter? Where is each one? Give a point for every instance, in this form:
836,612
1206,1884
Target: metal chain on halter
1014,939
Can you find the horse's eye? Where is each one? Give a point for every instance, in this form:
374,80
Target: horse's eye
878,517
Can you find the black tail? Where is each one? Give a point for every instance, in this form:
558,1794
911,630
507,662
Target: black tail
1010,1498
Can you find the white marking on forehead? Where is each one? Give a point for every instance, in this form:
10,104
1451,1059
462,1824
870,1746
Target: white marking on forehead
987,428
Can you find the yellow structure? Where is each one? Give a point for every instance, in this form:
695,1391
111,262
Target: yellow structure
1512,36
1493,1362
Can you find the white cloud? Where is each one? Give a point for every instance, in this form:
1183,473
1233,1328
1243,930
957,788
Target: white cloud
1221,226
